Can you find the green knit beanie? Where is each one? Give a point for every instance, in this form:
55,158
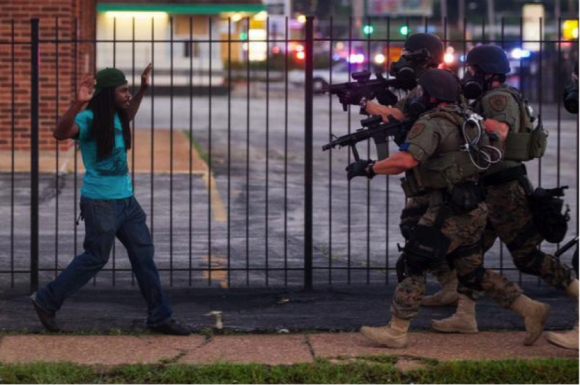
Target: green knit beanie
109,77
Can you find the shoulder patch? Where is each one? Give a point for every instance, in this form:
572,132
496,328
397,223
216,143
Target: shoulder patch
416,130
498,102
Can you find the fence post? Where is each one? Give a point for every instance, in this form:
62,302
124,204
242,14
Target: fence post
308,160
34,69
576,261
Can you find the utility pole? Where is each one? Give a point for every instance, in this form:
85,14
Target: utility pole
461,15
491,19
443,11
357,11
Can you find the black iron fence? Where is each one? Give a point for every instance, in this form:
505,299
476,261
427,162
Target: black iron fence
227,158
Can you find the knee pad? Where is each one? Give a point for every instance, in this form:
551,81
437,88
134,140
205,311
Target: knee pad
401,268
426,247
410,219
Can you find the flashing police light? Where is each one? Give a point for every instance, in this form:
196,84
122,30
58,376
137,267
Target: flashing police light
518,53
356,58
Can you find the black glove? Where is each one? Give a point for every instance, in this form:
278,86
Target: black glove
351,96
386,97
362,167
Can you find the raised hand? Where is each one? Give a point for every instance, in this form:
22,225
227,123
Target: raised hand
146,76
86,90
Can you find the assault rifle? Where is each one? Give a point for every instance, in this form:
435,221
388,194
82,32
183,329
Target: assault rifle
378,87
374,128
566,247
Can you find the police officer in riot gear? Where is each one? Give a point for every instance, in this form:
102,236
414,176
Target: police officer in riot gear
507,188
488,64
421,52
572,91
438,167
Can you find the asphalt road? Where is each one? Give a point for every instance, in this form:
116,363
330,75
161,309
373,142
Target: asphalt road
257,159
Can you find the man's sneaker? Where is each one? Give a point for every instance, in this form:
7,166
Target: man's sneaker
46,317
171,327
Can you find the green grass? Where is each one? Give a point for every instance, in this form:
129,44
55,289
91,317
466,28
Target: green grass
375,369
197,147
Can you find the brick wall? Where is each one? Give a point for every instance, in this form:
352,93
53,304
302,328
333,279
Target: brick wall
57,70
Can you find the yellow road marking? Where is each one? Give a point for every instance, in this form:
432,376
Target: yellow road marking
217,262
218,210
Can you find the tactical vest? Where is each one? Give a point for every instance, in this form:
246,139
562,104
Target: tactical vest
525,142
443,170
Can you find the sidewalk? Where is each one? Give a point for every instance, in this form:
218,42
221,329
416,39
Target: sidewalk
266,349
161,156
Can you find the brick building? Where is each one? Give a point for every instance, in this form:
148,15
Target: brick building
72,20
68,19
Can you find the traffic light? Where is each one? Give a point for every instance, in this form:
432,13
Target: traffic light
368,29
404,30
243,36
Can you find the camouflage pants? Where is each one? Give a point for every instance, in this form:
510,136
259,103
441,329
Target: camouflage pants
511,219
464,232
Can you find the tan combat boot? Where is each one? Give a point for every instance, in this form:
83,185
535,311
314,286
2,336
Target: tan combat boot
569,339
393,335
534,314
448,293
463,321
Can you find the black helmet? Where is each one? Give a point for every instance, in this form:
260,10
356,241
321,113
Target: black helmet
440,84
426,41
490,59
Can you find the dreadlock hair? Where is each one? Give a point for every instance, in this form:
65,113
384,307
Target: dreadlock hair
103,128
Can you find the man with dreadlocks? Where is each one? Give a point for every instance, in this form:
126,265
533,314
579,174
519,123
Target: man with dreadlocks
108,206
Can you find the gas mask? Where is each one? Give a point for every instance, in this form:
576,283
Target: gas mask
473,86
405,74
419,103
407,69
571,94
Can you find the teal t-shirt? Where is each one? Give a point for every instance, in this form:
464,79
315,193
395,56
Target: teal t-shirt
106,178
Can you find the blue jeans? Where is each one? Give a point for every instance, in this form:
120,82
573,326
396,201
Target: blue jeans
105,220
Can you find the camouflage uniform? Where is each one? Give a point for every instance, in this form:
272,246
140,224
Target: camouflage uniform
415,207
510,217
430,138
